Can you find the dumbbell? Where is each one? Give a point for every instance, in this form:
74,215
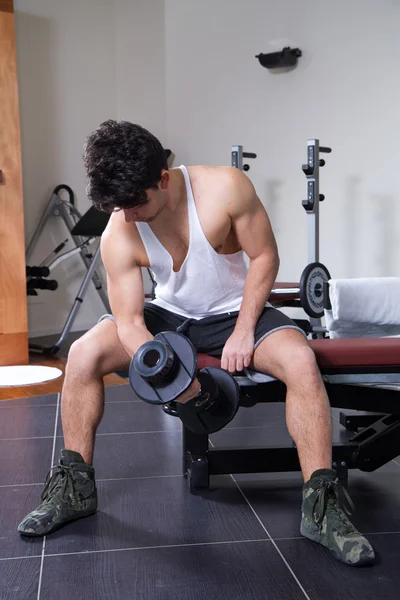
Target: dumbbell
162,369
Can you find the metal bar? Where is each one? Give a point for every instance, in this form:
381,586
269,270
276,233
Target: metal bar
279,291
47,213
364,398
69,253
313,196
87,261
78,300
268,460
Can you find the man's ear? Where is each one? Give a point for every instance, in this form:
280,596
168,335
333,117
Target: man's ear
164,181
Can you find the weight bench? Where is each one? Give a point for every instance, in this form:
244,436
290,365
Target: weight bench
360,374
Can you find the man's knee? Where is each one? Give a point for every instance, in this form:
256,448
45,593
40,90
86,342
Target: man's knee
301,366
86,356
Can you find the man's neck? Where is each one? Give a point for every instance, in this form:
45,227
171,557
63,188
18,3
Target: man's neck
177,191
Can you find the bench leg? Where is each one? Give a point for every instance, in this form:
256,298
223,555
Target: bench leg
342,470
195,461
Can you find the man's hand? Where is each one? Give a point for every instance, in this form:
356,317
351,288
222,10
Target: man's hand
238,351
190,393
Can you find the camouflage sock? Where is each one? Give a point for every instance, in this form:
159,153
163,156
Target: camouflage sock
324,521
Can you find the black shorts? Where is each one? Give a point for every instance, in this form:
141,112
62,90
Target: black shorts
210,334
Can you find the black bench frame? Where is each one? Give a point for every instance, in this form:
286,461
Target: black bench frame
374,445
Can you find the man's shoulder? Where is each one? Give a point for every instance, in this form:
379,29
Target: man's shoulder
216,171
118,232
115,225
219,178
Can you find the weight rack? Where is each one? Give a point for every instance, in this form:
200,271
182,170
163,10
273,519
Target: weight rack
309,294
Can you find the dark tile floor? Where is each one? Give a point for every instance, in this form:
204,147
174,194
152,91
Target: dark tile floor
151,539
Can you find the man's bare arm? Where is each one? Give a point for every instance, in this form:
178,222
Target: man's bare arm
126,294
254,233
125,288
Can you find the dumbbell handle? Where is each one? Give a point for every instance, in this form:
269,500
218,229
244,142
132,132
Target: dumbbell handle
280,291
207,395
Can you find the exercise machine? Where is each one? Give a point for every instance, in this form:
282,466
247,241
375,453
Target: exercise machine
359,374
83,231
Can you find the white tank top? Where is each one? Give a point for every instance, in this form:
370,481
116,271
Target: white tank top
207,284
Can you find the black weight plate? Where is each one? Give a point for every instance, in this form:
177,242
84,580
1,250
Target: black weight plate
220,413
155,361
186,365
312,288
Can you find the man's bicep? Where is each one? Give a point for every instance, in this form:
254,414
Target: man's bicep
126,294
124,278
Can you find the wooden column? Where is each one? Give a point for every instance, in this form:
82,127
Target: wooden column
13,302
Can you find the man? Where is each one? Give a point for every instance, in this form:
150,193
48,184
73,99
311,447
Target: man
191,227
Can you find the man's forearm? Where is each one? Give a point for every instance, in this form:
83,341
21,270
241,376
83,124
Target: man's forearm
133,335
260,278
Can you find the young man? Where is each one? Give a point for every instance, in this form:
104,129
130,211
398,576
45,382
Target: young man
191,227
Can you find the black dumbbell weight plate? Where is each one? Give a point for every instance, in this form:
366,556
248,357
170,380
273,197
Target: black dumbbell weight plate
168,386
312,289
201,419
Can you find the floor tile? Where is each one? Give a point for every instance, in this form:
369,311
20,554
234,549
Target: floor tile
325,578
135,454
384,480
120,393
27,421
48,399
122,417
252,428
266,414
19,579
189,547
251,571
251,437
25,461
159,512
15,503
277,497
377,512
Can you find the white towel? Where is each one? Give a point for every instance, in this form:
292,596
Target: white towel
364,307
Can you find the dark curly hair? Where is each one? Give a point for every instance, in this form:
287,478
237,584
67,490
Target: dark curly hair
122,161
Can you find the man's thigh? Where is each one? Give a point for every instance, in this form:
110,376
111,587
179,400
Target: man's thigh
271,321
209,335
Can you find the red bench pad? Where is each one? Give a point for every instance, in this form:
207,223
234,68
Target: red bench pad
343,353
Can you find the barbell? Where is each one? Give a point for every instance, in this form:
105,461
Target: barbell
310,290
